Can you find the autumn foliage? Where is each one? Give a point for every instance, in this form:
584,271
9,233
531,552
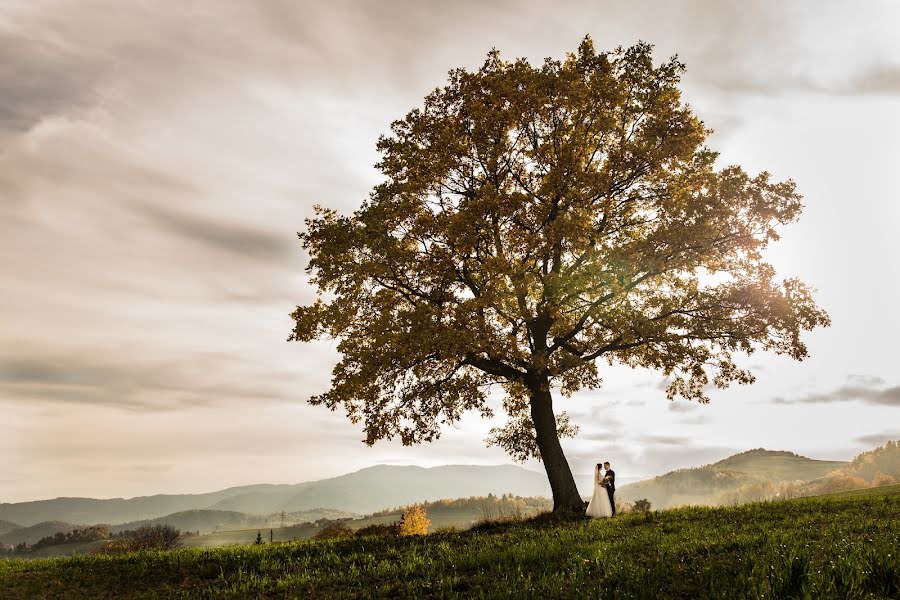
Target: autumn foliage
414,521
535,221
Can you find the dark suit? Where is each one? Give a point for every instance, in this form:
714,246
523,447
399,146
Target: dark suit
611,489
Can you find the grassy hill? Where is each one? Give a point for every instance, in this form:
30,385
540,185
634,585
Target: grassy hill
363,491
878,492
777,465
35,532
828,547
709,484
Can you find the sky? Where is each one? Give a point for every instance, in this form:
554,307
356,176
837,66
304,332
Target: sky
158,158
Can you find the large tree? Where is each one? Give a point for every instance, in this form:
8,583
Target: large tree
532,222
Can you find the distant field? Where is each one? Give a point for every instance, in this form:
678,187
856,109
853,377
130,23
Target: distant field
826,547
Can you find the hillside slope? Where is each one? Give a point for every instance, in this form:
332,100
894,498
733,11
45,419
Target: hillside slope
708,485
820,548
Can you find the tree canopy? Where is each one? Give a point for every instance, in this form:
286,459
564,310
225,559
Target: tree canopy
535,221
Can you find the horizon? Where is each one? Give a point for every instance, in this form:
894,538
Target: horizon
625,481
157,161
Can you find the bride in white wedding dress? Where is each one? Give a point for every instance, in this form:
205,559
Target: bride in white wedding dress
599,506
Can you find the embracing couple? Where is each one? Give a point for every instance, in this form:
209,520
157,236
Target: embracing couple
602,503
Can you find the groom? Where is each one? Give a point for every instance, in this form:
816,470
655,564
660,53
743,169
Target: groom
610,478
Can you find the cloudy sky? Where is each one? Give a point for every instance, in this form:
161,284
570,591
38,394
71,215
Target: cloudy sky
158,158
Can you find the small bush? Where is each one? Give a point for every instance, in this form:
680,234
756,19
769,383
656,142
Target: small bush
157,537
334,531
379,530
643,505
414,521
148,537
881,479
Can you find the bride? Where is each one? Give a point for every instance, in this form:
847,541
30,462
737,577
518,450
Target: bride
599,505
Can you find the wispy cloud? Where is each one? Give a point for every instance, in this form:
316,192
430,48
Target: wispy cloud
879,438
683,406
141,384
858,388
157,159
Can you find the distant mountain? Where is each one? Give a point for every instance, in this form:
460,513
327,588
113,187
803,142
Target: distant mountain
363,491
6,527
207,521
113,510
35,532
712,484
202,520
384,486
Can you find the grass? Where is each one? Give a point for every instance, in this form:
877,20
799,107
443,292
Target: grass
885,490
828,547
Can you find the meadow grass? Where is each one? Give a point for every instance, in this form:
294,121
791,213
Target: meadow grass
828,547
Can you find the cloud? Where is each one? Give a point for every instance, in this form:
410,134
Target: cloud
866,389
866,380
875,80
44,77
233,238
682,406
879,438
157,161
664,440
140,384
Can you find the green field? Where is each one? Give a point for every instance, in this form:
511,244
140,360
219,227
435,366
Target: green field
831,547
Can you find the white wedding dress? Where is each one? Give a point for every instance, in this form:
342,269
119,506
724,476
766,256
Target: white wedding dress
599,506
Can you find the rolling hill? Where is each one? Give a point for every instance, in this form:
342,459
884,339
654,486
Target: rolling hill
6,527
709,484
363,491
33,533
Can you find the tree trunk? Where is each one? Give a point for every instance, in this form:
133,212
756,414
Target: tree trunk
566,499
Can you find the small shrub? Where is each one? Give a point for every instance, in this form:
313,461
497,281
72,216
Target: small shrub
148,537
334,531
414,521
379,530
881,479
157,537
643,505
